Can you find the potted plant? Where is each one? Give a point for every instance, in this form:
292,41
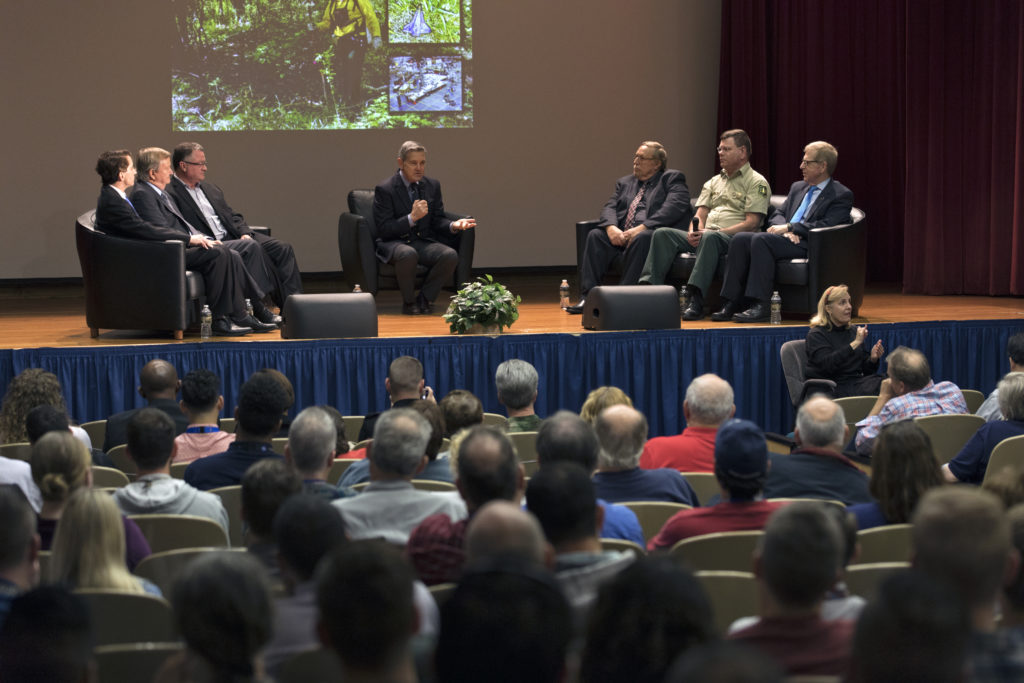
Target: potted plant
484,306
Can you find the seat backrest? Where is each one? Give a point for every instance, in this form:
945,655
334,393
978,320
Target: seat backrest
727,551
733,595
432,485
949,433
168,532
793,356
338,468
705,485
231,498
353,423
856,408
525,443
132,661
22,450
652,514
108,476
360,202
120,617
864,579
312,665
178,469
889,543
621,544
495,420
119,456
97,431
164,568
973,398
1007,453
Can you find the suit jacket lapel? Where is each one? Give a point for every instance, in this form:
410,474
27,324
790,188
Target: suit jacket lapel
182,193
821,203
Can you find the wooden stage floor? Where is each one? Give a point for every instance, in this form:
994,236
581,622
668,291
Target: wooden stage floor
54,316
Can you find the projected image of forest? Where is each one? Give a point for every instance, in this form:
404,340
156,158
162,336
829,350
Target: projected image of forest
321,64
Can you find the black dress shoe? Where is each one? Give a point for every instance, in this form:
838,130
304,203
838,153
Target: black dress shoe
695,311
578,308
255,325
266,316
222,327
725,313
426,308
758,313
411,309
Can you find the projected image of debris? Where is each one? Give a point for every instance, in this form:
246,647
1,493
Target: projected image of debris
426,84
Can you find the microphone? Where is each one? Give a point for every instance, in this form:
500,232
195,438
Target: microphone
695,225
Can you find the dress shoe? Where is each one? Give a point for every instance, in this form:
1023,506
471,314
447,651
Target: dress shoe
758,313
267,316
426,308
725,313
695,311
222,327
255,325
578,308
411,309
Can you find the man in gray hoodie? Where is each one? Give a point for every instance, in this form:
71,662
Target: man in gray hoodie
151,446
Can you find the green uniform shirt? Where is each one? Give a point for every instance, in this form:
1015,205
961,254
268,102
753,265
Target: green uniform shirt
731,198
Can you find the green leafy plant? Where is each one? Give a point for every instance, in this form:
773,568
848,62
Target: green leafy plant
483,302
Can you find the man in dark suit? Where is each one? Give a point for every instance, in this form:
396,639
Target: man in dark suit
814,202
410,227
116,215
156,206
654,196
159,385
202,204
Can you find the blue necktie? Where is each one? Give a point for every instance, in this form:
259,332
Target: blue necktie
808,198
131,205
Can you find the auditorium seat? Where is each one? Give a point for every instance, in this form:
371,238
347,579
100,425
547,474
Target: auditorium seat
704,484
231,499
164,568
836,254
973,398
949,433
108,477
864,579
168,532
1007,453
120,617
359,262
525,444
119,456
132,661
889,543
793,357
652,514
726,551
733,595
338,468
97,431
21,450
432,485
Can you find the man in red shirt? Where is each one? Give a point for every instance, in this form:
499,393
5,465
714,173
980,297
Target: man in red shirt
741,465
708,403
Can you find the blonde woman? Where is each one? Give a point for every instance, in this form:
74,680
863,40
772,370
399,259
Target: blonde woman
89,547
61,465
601,398
838,351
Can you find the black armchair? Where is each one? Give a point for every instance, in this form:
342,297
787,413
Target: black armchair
835,254
358,258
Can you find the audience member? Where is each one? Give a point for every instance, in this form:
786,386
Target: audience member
201,402
903,468
912,633
741,466
60,467
151,446
89,546
289,390
970,463
1015,350
390,507
601,398
487,470
404,384
367,613
342,445
19,547
222,607
261,404
961,537
265,487
311,449
566,436
1011,600
818,468
708,403
460,409
561,496
724,661
48,637
502,531
507,623
621,433
19,473
158,385
516,381
798,560
838,351
45,418
645,616
1007,485
908,391
30,388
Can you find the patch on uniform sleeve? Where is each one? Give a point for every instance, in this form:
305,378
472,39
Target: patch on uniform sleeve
762,190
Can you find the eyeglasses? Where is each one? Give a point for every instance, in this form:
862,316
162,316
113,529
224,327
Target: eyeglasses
808,162
196,163
726,149
640,157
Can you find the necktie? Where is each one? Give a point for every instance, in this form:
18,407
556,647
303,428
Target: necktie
631,213
131,205
415,189
808,198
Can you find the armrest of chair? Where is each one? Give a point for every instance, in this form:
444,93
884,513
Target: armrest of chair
838,254
816,386
583,228
262,229
464,269
356,249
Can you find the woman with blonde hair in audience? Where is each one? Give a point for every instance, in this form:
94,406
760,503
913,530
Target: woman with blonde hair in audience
32,387
838,351
903,469
89,547
61,465
601,398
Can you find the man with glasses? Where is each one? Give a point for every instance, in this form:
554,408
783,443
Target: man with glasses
652,197
732,202
202,203
813,202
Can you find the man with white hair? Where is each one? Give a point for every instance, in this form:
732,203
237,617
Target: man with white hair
708,403
621,433
516,381
312,441
970,463
390,508
818,468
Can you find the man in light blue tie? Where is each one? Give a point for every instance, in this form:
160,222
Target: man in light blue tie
814,202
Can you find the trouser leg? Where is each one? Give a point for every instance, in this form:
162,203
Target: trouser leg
261,278
598,254
737,265
666,244
441,260
765,250
220,274
285,267
713,245
404,260
636,257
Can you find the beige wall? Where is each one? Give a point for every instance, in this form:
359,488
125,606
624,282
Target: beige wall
564,92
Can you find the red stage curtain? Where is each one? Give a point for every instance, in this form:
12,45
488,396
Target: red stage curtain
924,100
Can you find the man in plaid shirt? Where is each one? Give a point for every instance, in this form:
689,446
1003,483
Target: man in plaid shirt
907,392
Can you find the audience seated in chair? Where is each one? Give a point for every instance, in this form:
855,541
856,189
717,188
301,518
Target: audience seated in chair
708,403
622,433
265,487
311,449
460,409
741,466
404,384
201,402
19,547
158,385
601,398
516,381
970,463
502,531
30,388
45,418
47,636
1015,351
152,446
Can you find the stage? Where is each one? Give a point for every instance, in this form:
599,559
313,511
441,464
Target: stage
44,326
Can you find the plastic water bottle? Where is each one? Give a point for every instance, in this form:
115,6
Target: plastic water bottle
776,309
563,294
248,308
357,289
205,323
684,300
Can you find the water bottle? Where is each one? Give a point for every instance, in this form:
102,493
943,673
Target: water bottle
205,323
776,308
684,300
248,308
357,289
563,294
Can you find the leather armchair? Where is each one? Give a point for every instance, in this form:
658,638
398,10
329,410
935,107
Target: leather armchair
835,254
358,257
